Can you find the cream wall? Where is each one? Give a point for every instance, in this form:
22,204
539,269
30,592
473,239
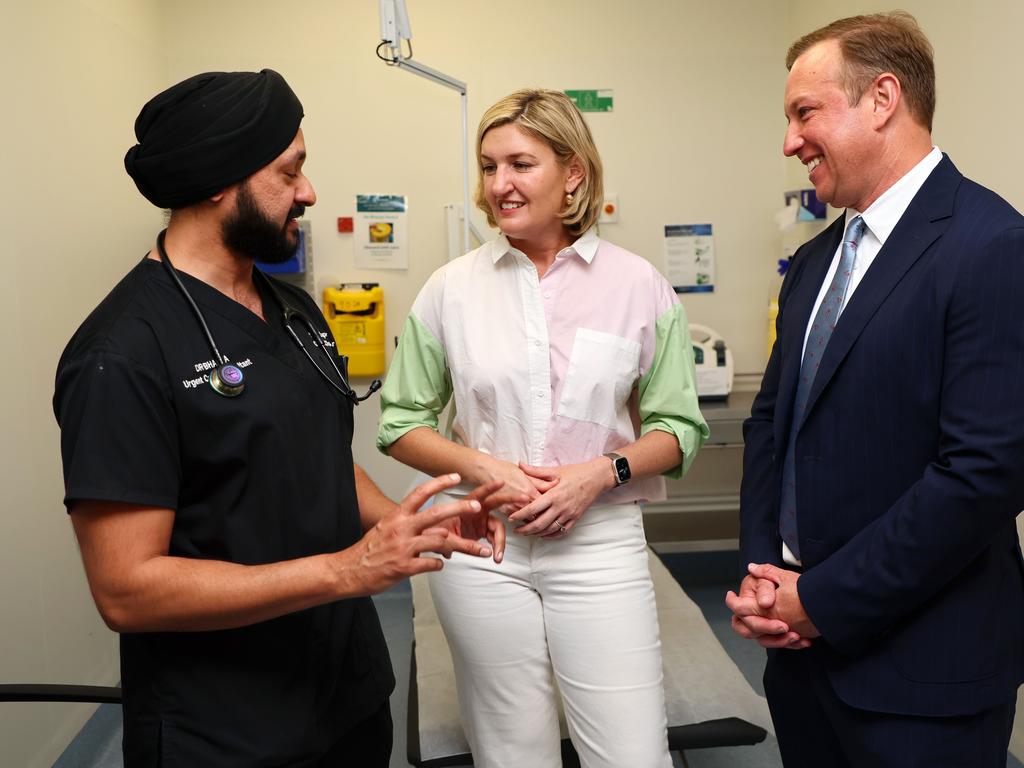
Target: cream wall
74,74
695,136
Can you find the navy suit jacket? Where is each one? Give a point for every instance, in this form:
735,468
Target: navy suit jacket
910,459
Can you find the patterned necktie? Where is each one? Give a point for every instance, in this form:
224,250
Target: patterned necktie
821,331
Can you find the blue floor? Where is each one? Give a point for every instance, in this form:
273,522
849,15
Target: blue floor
705,575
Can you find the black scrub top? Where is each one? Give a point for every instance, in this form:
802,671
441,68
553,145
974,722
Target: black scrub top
259,478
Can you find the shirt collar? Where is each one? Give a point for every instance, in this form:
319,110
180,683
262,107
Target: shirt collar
884,214
585,247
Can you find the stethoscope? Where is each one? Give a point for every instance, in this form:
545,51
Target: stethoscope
227,378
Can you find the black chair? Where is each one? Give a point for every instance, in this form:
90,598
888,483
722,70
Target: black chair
101,694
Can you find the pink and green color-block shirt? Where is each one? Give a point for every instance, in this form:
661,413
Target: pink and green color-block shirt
549,371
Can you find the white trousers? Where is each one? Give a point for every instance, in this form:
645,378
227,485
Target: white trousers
578,610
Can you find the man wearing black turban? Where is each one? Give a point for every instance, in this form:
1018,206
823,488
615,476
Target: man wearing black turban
224,528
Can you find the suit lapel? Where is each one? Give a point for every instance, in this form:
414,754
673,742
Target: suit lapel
924,221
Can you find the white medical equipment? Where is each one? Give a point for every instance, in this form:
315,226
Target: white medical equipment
713,361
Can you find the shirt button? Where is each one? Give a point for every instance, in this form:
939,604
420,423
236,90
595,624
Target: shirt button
547,295
536,342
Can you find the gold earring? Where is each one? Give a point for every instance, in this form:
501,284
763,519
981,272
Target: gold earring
568,198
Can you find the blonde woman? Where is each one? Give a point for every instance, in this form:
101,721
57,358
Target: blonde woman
570,363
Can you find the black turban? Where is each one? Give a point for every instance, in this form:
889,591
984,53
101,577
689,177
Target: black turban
209,132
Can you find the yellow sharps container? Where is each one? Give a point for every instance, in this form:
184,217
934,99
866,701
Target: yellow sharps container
355,314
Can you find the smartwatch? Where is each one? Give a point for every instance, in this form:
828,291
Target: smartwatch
621,467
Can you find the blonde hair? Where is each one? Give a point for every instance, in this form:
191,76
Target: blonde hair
551,117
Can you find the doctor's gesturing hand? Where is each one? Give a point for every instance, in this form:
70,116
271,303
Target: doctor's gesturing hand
390,550
469,527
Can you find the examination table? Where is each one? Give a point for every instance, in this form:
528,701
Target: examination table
709,702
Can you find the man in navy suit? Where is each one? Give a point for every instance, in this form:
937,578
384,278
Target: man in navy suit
884,461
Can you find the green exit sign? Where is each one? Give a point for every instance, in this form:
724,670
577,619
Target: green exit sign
592,101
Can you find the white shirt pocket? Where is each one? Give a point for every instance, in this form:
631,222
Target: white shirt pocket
602,370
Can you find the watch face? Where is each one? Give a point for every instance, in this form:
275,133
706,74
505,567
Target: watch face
621,468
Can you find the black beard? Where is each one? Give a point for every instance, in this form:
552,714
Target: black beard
250,233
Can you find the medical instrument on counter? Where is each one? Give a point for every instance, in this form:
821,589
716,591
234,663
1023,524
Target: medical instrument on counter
713,361
227,378
355,315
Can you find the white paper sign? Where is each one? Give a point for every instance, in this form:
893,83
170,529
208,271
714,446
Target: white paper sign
381,232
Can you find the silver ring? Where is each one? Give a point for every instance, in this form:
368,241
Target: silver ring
561,527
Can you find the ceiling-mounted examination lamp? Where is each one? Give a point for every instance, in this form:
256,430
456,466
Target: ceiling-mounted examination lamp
396,35
394,28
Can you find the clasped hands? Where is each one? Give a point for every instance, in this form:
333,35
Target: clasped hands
768,609
551,499
520,492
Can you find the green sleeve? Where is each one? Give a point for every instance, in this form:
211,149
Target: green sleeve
668,391
418,385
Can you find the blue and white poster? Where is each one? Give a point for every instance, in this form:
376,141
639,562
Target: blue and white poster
690,257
